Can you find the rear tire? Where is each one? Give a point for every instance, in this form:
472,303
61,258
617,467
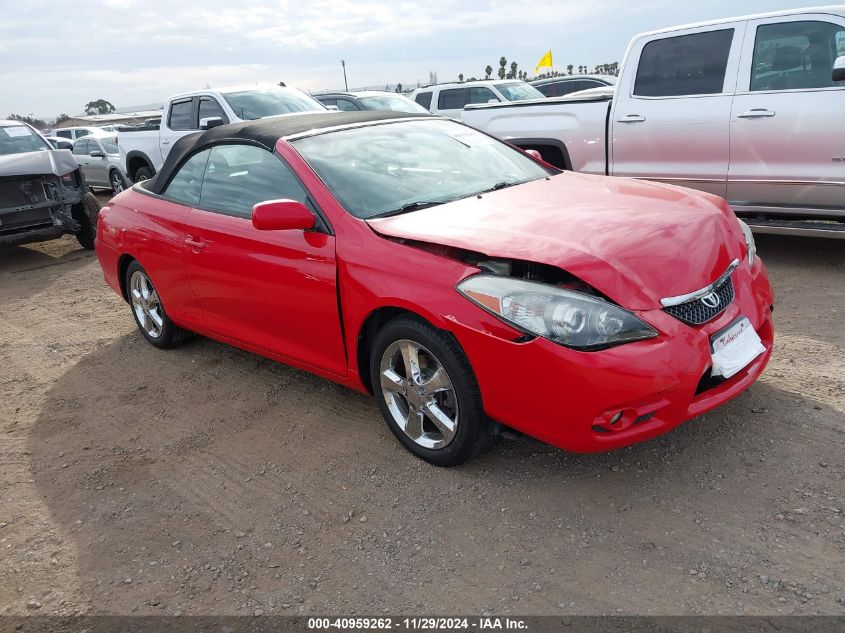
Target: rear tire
116,180
143,173
88,221
438,414
148,310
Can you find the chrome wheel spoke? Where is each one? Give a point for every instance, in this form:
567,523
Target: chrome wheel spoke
443,422
413,424
391,381
156,318
438,382
146,304
411,359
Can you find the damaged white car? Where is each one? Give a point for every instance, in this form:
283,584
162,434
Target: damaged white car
43,193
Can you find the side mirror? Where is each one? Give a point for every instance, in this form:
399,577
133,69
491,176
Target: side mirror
95,153
282,215
493,100
839,69
333,108
533,153
206,123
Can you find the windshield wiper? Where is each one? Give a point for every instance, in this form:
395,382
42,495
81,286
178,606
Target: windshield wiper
405,208
499,185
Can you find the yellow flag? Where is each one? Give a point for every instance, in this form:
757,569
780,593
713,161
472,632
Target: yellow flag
545,62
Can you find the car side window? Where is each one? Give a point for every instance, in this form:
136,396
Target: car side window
346,105
210,107
480,94
239,176
796,55
93,147
186,185
180,115
684,65
81,133
424,99
80,148
63,133
452,99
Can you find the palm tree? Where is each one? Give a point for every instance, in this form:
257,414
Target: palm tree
569,69
502,64
461,77
488,71
399,88
512,74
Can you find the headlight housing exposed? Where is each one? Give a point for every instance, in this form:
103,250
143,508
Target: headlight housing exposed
750,245
572,319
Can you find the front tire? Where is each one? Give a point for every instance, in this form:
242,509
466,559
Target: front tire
148,310
427,392
88,221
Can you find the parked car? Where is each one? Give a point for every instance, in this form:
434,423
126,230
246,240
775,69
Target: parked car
74,133
369,100
450,99
745,108
99,159
567,84
59,142
455,277
43,194
144,148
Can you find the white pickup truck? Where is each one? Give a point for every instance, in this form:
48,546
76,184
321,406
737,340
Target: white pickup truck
143,149
746,108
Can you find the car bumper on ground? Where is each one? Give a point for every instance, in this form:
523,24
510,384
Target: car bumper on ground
573,399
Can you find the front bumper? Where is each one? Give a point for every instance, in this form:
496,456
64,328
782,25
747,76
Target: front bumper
568,398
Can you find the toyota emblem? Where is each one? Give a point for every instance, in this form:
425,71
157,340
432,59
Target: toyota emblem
711,301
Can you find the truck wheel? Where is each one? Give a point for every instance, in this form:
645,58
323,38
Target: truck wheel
143,173
88,221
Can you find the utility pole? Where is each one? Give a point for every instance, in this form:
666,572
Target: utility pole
345,84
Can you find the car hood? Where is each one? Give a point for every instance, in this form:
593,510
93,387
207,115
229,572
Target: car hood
636,242
58,162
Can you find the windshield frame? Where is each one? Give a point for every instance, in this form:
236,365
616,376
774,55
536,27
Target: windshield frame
293,141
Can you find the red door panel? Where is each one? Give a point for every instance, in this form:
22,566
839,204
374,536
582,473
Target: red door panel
270,289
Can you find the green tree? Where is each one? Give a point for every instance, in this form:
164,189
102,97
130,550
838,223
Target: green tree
461,77
488,71
36,123
100,106
569,68
502,65
398,87
512,73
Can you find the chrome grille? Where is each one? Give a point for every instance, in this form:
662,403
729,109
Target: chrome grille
698,311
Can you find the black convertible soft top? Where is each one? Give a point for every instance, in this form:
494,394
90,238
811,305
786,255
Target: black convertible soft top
265,132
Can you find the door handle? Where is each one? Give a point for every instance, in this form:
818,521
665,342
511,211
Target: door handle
194,244
165,141
756,113
631,118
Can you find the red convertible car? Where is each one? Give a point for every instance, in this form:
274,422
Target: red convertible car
467,285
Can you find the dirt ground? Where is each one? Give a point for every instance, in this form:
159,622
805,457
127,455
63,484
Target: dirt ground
207,480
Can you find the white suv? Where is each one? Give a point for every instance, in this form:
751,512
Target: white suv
450,99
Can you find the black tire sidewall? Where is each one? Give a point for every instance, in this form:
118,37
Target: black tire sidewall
88,221
170,332
145,171
471,420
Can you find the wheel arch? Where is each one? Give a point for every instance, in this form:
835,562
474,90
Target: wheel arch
135,160
122,266
555,154
370,327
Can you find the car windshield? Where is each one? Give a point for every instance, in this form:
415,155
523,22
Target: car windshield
397,103
109,145
397,167
19,139
520,91
257,104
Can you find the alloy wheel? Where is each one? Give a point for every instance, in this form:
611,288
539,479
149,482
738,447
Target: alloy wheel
116,182
419,394
146,304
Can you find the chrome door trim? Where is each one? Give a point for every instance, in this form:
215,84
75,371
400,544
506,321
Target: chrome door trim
702,292
772,210
775,181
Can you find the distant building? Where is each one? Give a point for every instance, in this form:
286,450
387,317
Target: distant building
123,116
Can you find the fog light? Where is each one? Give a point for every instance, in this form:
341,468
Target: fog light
616,417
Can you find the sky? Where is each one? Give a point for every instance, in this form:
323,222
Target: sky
57,56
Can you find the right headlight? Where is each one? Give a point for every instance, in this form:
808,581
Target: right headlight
750,245
572,319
